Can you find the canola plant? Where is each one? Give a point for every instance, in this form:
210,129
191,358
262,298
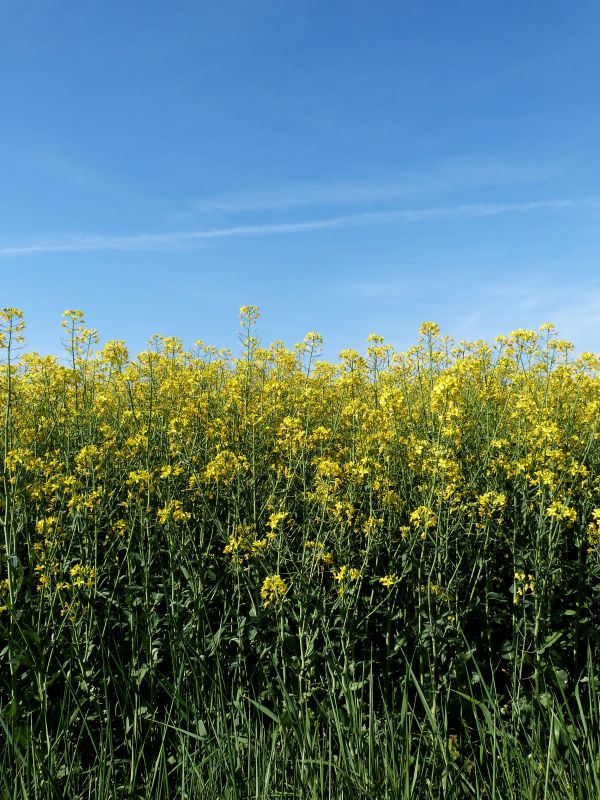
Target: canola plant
185,513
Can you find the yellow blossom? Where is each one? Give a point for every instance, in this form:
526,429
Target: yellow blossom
273,590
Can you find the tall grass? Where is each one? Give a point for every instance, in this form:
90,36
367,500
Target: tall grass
265,575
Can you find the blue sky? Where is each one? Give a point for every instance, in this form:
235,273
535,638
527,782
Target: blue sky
347,166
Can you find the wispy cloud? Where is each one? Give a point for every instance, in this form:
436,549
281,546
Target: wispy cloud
466,171
174,240
571,303
315,195
472,310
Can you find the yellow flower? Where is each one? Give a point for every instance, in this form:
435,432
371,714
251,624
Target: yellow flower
524,585
276,519
560,510
173,510
429,329
423,517
273,590
389,580
344,576
83,576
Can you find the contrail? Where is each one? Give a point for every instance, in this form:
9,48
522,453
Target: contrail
80,243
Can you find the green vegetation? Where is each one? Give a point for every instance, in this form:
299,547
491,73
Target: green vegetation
268,576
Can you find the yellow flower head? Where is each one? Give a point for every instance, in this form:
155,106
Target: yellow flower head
273,590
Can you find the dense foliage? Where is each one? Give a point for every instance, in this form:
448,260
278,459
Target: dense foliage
273,576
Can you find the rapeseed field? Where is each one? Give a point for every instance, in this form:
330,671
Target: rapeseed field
264,575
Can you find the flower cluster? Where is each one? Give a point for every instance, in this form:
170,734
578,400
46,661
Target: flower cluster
273,590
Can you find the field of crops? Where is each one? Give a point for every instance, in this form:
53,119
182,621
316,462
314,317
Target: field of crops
263,575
